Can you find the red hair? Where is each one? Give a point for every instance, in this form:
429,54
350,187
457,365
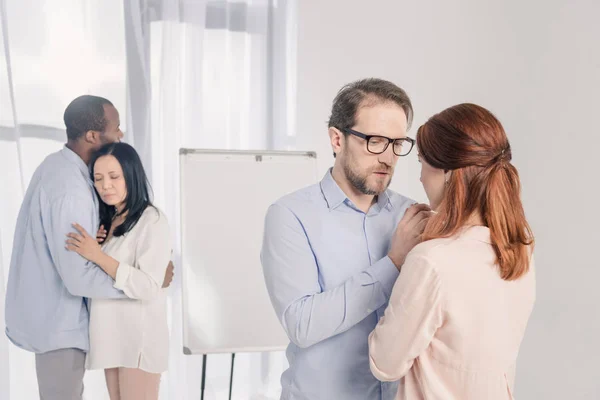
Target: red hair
469,141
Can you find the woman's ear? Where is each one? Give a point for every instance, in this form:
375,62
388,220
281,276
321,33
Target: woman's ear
447,176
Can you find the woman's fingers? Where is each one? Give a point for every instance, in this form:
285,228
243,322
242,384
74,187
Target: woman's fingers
72,243
80,229
75,236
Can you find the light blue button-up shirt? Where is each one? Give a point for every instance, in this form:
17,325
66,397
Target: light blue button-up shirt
45,305
329,278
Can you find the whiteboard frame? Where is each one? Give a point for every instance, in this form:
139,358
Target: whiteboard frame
186,151
256,153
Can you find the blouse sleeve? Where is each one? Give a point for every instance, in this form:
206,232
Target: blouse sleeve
410,321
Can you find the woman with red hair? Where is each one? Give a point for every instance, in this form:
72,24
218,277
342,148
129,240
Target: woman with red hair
459,309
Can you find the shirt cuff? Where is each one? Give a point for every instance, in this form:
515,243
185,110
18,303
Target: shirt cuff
386,273
122,275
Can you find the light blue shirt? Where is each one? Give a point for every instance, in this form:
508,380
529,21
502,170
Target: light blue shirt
45,305
329,278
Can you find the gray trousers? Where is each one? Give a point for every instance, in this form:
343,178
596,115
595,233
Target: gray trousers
60,374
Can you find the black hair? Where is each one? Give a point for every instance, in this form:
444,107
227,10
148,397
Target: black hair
85,113
136,182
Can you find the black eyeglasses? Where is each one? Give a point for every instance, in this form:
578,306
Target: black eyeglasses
378,144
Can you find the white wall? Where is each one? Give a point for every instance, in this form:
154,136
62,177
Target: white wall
536,65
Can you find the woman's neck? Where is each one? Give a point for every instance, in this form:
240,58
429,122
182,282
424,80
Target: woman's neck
475,220
119,218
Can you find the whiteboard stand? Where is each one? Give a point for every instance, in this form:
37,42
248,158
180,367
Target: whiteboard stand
224,198
231,375
203,384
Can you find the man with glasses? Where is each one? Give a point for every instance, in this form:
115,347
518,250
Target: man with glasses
332,251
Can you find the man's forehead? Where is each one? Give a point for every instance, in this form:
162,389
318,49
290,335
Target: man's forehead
111,112
387,110
393,126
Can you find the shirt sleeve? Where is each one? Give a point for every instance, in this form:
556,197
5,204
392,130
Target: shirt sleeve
309,314
80,277
411,319
143,280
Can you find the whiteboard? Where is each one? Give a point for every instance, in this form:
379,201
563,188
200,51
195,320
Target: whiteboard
224,199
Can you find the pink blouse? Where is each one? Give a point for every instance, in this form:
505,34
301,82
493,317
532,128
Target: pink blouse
453,326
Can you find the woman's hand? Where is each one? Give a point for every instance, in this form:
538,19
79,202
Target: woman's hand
84,245
101,235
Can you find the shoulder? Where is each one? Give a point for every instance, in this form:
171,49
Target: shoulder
420,276
151,227
399,201
295,209
54,160
152,221
56,163
153,215
59,179
434,251
307,198
302,196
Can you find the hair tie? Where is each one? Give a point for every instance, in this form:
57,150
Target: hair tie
502,158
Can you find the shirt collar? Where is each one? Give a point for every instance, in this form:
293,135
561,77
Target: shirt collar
334,195
72,157
383,200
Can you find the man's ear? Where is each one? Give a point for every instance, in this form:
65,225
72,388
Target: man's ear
92,137
336,139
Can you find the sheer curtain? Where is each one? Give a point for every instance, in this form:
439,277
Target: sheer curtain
204,74
50,53
209,74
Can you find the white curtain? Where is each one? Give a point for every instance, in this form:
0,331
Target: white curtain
209,74
51,52
195,73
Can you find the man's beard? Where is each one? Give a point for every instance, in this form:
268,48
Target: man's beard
359,182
